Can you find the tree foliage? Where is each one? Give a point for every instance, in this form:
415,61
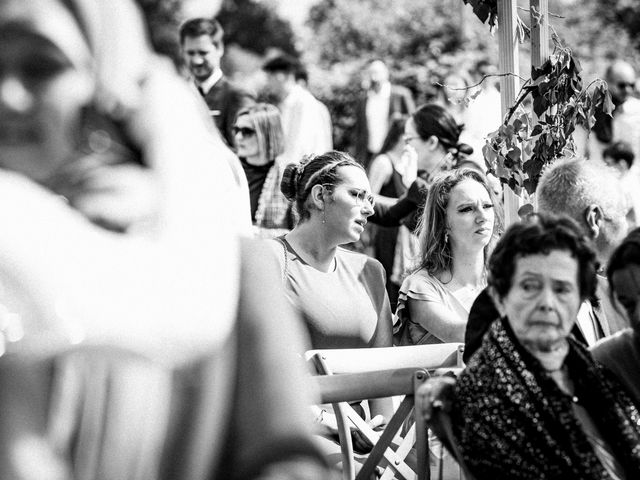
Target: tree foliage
421,42
623,13
251,24
255,26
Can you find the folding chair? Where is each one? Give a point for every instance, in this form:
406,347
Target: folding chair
361,374
440,424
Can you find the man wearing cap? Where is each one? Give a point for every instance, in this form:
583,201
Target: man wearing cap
307,129
202,49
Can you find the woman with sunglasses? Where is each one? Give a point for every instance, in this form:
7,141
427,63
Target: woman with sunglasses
259,142
432,135
341,293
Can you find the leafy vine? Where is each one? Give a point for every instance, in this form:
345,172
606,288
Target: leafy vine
523,145
518,151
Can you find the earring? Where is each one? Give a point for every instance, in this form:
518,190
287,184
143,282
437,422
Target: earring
446,237
324,216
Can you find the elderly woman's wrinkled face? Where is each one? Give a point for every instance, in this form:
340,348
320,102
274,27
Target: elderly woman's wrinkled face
41,99
543,301
626,285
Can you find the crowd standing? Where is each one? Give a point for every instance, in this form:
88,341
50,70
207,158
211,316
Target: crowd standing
172,245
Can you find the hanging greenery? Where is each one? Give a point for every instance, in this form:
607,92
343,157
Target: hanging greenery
531,138
518,151
485,10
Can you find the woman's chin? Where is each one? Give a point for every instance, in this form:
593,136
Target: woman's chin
543,338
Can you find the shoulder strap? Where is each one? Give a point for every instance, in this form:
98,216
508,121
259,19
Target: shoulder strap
285,265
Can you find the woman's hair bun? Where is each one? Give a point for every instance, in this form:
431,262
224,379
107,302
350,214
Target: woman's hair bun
464,149
291,180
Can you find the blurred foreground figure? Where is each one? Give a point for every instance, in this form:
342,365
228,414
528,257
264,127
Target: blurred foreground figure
127,352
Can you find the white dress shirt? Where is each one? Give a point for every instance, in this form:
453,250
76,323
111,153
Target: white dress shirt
377,111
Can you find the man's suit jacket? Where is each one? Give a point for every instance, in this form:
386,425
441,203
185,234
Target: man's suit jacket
400,103
224,100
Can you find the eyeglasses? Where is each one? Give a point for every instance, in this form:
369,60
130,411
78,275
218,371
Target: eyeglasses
625,85
360,195
407,138
245,131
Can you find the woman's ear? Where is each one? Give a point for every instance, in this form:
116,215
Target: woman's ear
433,142
593,216
318,195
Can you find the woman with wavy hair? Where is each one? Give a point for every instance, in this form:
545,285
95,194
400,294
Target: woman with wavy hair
455,233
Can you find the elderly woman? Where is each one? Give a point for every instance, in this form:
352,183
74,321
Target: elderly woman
621,352
118,253
532,403
259,142
458,226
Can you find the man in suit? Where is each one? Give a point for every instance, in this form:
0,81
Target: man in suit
202,50
378,105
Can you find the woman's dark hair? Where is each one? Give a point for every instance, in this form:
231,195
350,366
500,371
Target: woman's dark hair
432,119
394,134
541,234
299,178
627,253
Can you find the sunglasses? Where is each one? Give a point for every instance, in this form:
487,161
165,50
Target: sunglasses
625,85
245,131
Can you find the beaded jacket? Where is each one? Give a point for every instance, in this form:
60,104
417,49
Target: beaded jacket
512,421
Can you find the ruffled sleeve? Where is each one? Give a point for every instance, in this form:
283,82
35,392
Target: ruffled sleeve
418,286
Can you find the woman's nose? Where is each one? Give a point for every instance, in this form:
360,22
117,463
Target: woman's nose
15,97
546,299
367,208
481,215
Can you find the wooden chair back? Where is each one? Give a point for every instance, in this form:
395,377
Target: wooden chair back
347,375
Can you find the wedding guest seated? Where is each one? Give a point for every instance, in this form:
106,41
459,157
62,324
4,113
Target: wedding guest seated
340,293
532,403
457,228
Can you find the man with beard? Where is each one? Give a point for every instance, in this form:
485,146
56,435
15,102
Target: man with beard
202,50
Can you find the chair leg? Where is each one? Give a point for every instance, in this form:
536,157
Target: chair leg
346,444
385,439
422,436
